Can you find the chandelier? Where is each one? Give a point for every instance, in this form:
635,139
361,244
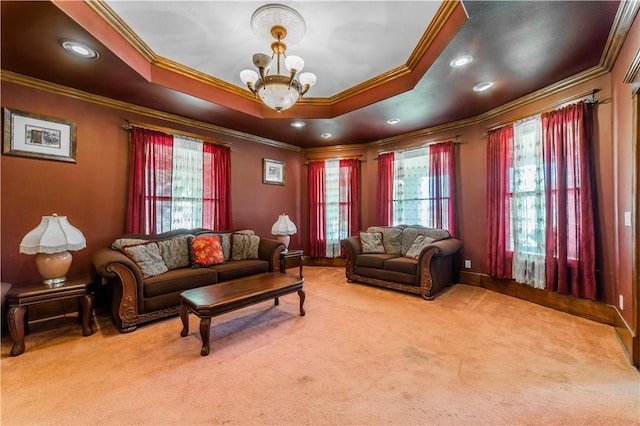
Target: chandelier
277,90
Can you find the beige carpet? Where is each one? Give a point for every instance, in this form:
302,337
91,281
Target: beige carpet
361,355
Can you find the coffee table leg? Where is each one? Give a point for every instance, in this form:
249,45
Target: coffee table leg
184,316
302,296
15,319
87,314
205,329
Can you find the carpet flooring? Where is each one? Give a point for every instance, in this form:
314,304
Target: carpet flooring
361,355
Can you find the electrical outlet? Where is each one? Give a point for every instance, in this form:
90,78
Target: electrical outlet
621,301
627,219
467,264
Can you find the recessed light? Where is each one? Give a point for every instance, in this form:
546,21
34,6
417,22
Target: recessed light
298,124
79,49
325,135
461,61
393,121
481,87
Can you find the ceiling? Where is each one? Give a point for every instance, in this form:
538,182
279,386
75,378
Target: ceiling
374,60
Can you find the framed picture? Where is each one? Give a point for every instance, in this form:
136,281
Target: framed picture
31,135
272,172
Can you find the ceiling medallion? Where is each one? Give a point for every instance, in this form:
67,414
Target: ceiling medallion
278,91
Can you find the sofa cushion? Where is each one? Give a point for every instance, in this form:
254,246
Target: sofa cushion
391,238
373,260
147,257
120,243
179,280
205,251
175,252
419,243
240,268
406,265
385,275
244,246
225,242
371,242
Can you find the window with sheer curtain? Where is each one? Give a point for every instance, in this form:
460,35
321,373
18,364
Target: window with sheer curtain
423,190
334,205
540,204
177,182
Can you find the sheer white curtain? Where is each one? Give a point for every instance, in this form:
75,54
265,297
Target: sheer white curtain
528,203
332,207
186,209
411,198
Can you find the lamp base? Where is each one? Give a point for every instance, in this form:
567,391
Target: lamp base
284,239
53,267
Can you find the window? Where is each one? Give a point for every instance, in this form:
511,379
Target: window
334,205
177,182
423,190
540,228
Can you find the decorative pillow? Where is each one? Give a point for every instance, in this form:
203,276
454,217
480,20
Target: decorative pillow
419,243
175,252
244,246
147,257
205,251
391,238
225,241
371,242
120,243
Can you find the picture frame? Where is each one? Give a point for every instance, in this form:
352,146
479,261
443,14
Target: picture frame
38,136
272,172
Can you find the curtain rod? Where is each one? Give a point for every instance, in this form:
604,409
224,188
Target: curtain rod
589,96
170,131
435,142
352,157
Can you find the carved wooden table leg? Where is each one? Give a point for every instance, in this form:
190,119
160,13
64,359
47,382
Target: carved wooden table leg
16,328
87,314
302,297
184,316
205,330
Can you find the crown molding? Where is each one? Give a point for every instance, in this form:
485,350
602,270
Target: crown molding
619,30
34,83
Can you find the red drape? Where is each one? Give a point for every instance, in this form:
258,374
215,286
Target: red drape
442,186
216,179
149,178
499,162
385,189
570,244
350,193
317,238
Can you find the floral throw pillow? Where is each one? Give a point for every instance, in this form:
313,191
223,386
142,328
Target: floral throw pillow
419,243
205,251
371,242
147,257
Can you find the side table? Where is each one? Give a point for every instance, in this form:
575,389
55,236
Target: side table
291,258
30,293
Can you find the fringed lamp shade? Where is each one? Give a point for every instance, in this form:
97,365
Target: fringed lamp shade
50,242
283,228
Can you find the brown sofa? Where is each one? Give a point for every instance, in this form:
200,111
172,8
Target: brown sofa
413,258
137,297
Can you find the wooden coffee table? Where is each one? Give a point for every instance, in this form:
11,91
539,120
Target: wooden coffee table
210,301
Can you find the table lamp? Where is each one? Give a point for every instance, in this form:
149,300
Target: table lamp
283,228
50,242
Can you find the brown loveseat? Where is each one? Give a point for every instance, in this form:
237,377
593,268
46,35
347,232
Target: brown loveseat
411,258
138,297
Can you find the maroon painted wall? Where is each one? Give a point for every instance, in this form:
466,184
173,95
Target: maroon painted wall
92,192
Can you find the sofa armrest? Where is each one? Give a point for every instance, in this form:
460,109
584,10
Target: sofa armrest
127,284
444,247
351,247
270,250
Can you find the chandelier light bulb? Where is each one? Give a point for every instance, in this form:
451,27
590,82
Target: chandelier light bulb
307,78
249,77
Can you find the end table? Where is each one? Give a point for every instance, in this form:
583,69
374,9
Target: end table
30,293
291,258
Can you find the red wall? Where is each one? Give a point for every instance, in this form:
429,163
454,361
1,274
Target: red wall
92,192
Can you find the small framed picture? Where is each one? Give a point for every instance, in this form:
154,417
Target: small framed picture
37,136
272,172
